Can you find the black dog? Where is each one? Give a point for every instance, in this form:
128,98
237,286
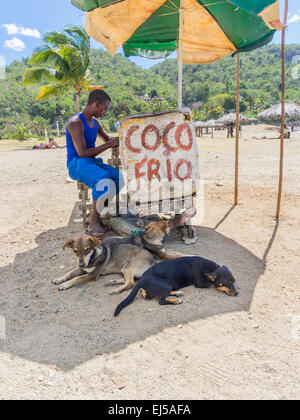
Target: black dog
163,280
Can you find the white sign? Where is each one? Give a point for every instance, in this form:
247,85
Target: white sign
160,155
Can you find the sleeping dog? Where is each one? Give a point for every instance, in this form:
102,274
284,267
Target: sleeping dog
164,280
115,255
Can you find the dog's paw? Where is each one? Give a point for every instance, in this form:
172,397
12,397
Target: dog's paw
114,292
114,282
63,287
110,283
57,281
179,294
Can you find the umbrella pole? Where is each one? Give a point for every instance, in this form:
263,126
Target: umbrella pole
282,111
180,55
237,133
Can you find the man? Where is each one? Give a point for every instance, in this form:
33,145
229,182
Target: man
82,133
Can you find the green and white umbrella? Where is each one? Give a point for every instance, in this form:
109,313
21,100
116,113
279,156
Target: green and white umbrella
202,31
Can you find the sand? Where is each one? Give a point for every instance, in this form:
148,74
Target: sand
68,345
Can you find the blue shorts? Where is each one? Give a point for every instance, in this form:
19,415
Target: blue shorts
91,171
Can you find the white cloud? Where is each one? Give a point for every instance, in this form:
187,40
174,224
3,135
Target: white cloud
13,29
15,44
294,19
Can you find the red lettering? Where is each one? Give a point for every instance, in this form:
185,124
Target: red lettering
179,164
179,133
166,140
139,174
169,170
129,146
151,128
153,172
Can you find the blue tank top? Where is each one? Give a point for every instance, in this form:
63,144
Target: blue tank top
90,135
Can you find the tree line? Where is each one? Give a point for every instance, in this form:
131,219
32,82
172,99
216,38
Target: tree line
44,91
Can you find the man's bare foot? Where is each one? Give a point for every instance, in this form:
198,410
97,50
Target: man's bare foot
98,230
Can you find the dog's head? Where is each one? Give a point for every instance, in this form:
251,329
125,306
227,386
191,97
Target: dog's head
84,249
156,232
223,280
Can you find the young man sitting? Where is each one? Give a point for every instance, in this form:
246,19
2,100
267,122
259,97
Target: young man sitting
82,133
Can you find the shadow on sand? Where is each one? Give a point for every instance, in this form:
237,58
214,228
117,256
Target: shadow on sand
69,328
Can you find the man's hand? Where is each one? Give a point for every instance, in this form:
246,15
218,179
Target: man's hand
113,142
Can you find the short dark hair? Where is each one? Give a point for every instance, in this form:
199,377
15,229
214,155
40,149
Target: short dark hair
98,95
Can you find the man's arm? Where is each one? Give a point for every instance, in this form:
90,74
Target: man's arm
75,128
102,133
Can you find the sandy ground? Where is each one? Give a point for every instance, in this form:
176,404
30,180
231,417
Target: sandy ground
68,346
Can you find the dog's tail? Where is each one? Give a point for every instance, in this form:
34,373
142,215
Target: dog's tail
129,299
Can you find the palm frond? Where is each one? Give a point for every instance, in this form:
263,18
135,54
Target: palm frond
37,74
68,53
74,59
56,39
46,54
79,36
48,91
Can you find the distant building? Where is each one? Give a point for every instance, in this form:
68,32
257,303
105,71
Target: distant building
146,98
196,105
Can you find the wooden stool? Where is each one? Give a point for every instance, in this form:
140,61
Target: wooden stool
86,203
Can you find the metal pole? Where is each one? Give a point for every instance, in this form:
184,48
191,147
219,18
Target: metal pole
180,58
282,111
237,133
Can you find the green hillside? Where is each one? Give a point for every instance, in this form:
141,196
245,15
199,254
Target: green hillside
213,85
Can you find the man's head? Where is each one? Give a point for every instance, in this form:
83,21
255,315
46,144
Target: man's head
99,101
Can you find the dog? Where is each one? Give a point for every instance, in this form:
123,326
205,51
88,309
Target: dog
116,255
164,280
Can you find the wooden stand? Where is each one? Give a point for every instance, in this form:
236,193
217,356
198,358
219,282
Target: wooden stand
177,205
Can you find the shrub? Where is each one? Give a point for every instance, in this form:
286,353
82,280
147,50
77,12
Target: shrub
21,133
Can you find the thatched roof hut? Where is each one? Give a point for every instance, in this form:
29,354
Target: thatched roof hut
231,118
208,124
291,111
199,124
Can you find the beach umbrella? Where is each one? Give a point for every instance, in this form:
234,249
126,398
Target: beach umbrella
232,118
290,111
202,31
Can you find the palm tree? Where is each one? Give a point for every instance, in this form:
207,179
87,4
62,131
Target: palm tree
67,54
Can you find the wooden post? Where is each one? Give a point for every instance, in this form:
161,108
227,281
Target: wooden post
57,128
180,53
282,111
237,134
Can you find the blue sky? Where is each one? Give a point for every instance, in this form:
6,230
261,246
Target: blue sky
23,23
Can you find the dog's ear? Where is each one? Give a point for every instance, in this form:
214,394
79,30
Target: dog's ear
211,276
68,244
95,241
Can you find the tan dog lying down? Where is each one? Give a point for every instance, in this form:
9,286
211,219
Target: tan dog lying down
131,257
